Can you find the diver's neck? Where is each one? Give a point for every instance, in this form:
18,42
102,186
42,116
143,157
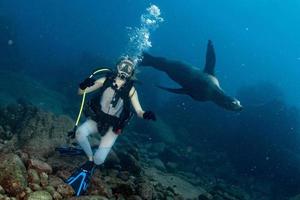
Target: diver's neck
120,82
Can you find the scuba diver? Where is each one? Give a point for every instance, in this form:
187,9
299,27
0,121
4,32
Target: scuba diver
109,110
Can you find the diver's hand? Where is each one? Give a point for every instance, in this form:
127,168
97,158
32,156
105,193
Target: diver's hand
88,82
149,115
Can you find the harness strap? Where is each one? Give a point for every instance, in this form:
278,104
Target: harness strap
104,119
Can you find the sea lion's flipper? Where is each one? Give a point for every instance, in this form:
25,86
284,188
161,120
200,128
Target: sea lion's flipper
210,59
173,90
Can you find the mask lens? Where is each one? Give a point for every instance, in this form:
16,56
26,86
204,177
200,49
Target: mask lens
122,76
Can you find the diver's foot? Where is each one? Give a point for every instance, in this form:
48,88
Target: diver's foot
88,165
81,178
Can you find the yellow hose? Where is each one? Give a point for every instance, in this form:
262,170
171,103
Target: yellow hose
84,94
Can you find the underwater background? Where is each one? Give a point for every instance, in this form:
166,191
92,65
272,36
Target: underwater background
48,47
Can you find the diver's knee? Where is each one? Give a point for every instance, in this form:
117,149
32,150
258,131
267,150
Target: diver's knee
81,134
100,155
98,161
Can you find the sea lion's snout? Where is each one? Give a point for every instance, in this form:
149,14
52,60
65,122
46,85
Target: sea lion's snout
236,105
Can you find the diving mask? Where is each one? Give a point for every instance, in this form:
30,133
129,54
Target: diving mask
125,69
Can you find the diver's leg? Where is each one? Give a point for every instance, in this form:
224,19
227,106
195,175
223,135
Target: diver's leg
87,128
107,141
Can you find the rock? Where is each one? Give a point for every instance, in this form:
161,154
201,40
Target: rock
170,198
2,191
90,197
12,174
22,195
55,181
33,176
99,187
171,166
24,156
56,196
158,147
158,164
65,190
133,151
112,159
42,127
145,189
4,197
39,166
297,197
35,187
160,131
31,129
125,189
205,196
129,163
44,179
228,192
39,195
63,174
28,190
50,189
170,155
124,175
134,197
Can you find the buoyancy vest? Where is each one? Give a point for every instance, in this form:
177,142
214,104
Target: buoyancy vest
119,111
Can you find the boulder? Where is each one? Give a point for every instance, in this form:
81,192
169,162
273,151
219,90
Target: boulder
32,130
33,176
90,197
125,189
56,196
39,166
158,147
55,181
13,175
44,179
145,189
65,190
39,195
35,187
2,191
129,163
158,164
297,197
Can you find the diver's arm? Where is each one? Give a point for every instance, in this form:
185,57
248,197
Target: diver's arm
98,83
136,103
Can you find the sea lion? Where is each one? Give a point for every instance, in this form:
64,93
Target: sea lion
201,85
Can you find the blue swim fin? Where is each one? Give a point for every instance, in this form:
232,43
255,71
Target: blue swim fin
72,150
69,151
80,179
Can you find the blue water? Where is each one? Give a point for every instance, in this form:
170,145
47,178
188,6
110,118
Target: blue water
256,41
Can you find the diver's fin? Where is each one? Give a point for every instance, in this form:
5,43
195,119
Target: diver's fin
80,179
210,59
69,151
72,150
173,90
